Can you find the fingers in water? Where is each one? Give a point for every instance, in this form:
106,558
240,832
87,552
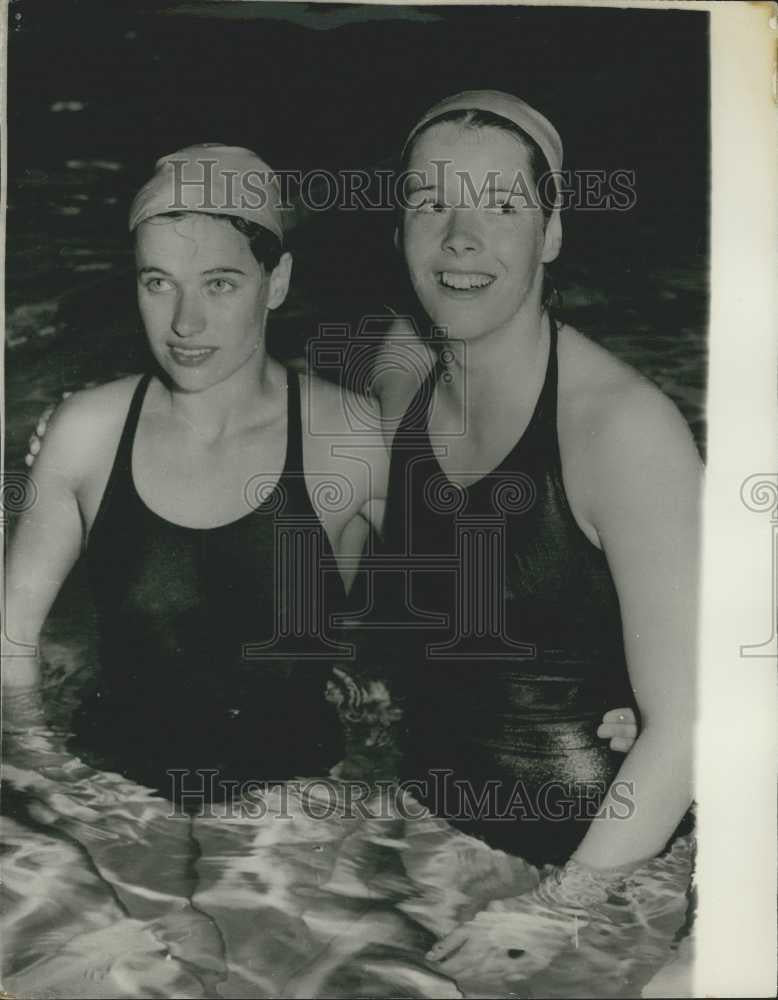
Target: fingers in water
622,732
448,947
620,715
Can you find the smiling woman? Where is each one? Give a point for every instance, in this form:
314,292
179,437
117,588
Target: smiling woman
441,241
549,496
515,191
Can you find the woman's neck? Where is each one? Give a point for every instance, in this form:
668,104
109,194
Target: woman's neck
248,397
500,366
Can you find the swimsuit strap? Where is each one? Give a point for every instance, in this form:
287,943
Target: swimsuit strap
294,425
545,416
122,464
120,489
123,460
546,406
416,416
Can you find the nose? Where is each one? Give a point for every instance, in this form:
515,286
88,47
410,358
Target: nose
461,235
189,315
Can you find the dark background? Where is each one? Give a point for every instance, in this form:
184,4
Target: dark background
98,90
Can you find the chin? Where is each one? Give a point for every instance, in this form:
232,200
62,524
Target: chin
191,380
461,326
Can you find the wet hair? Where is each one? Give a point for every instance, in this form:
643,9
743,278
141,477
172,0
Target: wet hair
264,245
475,118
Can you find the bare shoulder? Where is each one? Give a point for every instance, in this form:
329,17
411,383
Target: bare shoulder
94,411
605,403
84,427
403,352
621,439
337,412
344,436
403,363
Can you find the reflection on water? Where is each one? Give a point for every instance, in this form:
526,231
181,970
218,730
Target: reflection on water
107,893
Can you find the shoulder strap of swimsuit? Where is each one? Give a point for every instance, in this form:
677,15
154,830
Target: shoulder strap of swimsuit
123,460
543,420
550,386
120,479
294,424
416,416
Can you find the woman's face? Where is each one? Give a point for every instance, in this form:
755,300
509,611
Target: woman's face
203,297
473,233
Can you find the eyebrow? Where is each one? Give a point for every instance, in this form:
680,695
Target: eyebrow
211,270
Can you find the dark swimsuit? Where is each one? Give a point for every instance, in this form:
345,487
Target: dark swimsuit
215,644
510,682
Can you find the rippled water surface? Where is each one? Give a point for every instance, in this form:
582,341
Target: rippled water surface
107,893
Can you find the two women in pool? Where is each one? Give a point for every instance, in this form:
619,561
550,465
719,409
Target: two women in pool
229,408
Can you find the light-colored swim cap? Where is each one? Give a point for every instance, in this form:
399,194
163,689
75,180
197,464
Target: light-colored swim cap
507,106
212,178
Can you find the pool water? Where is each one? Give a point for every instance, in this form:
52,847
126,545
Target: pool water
106,892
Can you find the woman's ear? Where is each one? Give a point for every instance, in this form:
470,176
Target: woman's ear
552,242
279,281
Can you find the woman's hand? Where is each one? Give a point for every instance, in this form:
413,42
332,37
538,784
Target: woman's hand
635,911
512,939
34,444
620,727
496,950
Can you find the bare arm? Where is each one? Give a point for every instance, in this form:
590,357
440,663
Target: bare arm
646,490
34,444
46,544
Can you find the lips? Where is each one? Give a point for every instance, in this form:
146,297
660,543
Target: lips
465,281
191,357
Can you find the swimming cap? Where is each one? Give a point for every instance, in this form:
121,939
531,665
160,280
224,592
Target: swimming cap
212,178
507,106
520,113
